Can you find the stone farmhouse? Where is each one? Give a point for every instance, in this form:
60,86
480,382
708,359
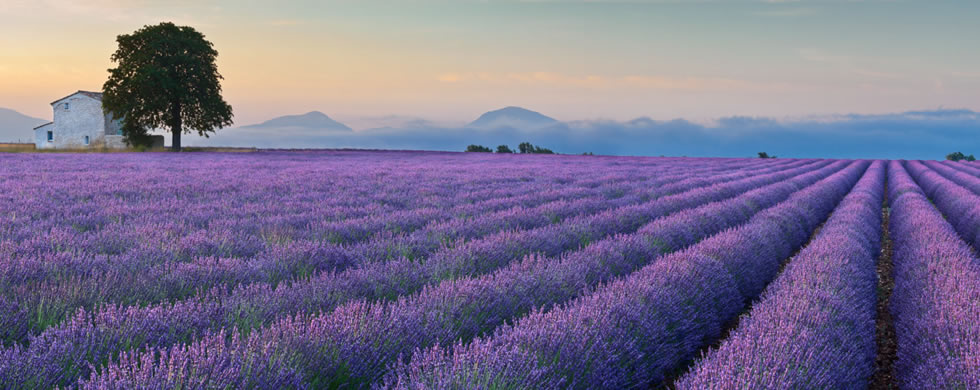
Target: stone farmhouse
79,122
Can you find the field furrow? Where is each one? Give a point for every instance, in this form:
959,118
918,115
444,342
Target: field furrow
428,270
353,345
957,202
817,316
936,300
120,328
88,284
634,331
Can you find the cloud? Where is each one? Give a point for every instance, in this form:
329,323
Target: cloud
606,82
450,77
845,63
924,134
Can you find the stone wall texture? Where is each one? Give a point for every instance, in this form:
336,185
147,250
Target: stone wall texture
76,117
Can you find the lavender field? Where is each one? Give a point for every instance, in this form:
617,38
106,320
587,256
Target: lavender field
418,270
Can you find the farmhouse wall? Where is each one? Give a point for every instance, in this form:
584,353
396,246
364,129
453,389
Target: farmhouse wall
75,117
41,137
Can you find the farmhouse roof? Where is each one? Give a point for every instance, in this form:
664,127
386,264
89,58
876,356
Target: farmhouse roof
93,95
49,123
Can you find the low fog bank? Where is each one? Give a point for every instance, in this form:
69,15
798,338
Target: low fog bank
909,135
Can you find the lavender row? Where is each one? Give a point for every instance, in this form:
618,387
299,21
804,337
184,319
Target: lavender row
936,299
66,198
57,353
450,232
259,304
956,174
190,238
160,230
122,282
434,310
635,331
353,345
465,308
960,205
26,271
38,190
107,240
951,171
296,210
963,166
351,231
167,282
814,326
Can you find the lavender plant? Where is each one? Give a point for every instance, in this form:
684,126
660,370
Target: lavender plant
814,325
635,331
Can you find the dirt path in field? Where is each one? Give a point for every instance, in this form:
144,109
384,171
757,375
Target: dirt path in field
884,375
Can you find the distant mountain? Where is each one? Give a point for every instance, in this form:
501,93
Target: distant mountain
513,117
314,120
395,122
15,126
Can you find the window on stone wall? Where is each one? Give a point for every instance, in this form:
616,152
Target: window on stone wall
66,106
86,140
50,136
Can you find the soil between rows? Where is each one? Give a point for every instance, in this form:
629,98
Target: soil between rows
884,374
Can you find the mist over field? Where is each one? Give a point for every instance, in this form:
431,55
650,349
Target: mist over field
908,135
925,134
17,127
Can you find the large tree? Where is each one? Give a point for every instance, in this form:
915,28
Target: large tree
166,77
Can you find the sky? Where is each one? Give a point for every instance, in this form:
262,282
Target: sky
451,60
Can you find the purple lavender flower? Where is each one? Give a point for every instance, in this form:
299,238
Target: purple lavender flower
813,327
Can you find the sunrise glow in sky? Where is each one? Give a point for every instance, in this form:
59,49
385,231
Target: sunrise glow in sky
454,59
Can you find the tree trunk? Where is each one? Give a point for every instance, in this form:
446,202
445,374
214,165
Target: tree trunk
177,126
176,140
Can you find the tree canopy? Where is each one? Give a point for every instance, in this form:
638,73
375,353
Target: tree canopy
528,148
166,77
478,148
957,156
